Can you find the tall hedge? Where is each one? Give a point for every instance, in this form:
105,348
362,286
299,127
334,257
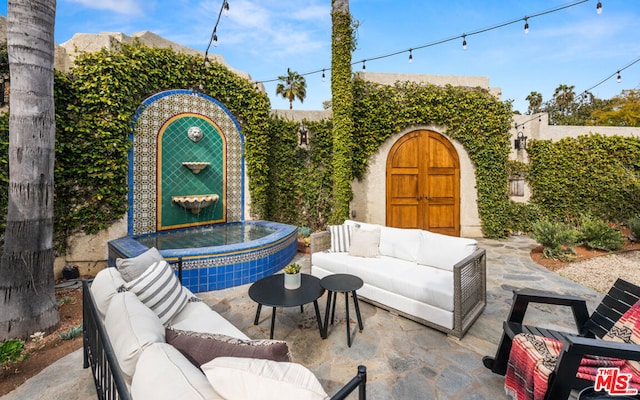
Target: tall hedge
591,174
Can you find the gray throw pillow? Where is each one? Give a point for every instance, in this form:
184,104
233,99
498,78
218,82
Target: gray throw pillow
131,268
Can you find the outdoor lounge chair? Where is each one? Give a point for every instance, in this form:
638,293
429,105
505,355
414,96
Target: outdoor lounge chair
620,298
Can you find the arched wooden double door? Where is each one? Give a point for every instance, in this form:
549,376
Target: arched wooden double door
423,183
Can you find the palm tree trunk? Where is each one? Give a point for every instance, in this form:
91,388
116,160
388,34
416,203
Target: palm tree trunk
27,297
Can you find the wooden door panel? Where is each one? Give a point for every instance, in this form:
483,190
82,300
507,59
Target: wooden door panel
404,186
405,215
442,186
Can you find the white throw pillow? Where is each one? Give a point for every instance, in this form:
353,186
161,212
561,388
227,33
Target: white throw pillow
160,290
340,238
251,378
131,327
104,286
443,251
133,267
365,243
163,373
400,243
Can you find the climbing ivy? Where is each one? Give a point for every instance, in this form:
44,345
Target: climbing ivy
96,102
95,106
343,43
589,175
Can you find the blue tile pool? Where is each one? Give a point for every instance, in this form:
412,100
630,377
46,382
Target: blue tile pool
218,256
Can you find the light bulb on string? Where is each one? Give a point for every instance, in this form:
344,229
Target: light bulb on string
619,78
410,56
526,25
464,42
599,7
225,7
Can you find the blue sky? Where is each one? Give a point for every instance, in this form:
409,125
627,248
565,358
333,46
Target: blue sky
574,46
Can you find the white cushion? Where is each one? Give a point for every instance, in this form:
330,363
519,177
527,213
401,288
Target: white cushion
104,286
400,243
163,373
131,327
443,251
425,284
160,290
362,225
133,267
365,243
250,378
199,317
340,237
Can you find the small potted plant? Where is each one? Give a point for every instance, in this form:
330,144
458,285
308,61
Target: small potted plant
292,276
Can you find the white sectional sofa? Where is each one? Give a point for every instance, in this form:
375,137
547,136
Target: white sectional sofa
148,337
437,280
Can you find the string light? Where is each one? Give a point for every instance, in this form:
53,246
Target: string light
442,41
214,34
225,7
526,25
410,56
464,42
599,7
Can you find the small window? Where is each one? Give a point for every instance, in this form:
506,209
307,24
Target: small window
516,187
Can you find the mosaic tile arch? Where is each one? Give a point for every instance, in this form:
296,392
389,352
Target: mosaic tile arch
157,143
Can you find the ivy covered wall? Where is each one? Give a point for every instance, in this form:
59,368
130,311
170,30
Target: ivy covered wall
96,101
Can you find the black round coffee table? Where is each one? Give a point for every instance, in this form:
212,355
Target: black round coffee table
270,291
343,283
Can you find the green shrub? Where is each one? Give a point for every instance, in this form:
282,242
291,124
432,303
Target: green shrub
597,234
71,333
558,239
634,226
11,350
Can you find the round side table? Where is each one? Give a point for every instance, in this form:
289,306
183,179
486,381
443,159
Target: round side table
341,283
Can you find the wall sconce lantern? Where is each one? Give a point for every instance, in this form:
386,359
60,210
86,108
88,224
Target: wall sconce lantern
520,143
304,136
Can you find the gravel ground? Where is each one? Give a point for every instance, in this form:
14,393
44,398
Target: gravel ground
599,273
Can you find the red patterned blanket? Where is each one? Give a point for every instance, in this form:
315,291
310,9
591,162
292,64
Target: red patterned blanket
533,359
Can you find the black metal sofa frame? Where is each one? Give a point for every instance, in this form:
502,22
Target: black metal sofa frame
108,378
591,329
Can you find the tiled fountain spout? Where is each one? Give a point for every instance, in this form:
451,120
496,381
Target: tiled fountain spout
195,203
196,166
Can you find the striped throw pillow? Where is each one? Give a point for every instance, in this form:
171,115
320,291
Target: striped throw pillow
159,289
340,238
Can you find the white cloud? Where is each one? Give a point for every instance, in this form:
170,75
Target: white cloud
272,28
127,7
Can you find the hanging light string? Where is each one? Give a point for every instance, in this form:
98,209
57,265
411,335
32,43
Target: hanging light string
588,91
442,41
214,34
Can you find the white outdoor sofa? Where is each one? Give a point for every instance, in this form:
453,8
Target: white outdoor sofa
434,279
126,335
